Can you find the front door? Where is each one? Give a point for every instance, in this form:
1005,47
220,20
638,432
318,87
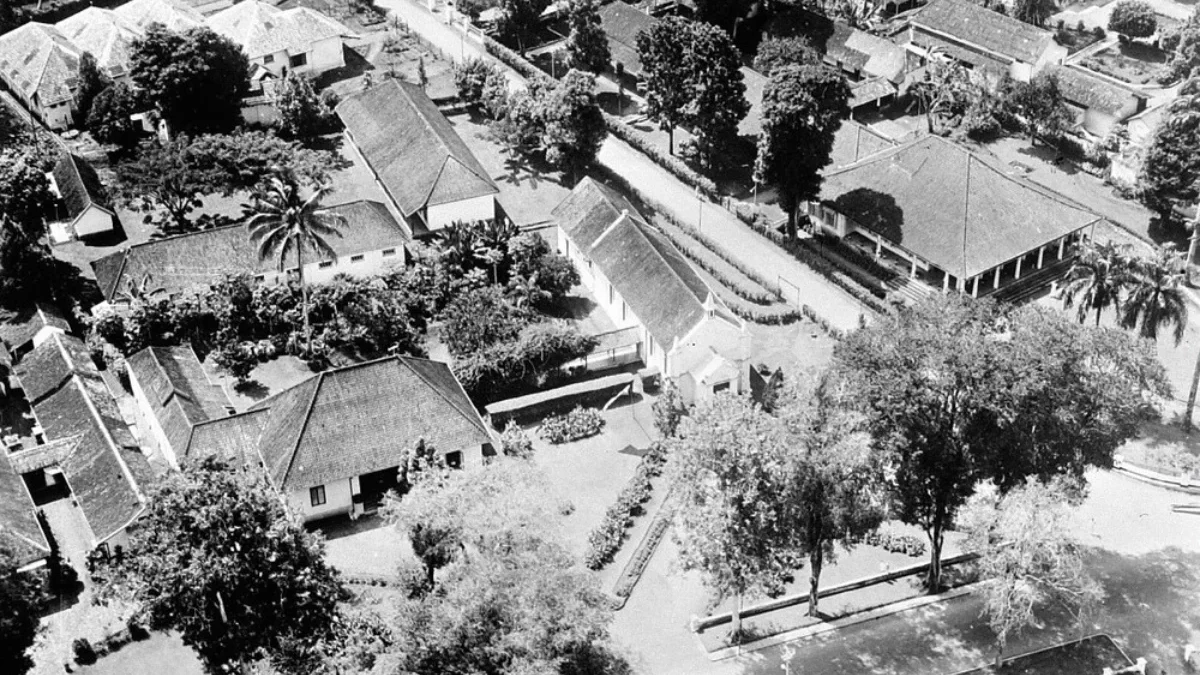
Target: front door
373,486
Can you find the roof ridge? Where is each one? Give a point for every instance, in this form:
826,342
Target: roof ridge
671,267
436,179
294,450
181,235
244,413
112,442
477,421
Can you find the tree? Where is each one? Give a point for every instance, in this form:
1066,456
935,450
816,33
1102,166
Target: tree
574,124
1133,18
25,195
109,118
1042,107
669,410
1029,551
1185,57
422,76
520,21
835,482
1172,164
1034,12
197,78
776,52
92,81
587,45
216,558
283,221
664,56
1096,278
803,106
480,318
958,391
728,467
723,13
470,77
301,112
945,91
1155,297
21,599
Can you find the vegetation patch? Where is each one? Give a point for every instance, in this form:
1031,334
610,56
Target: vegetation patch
606,539
1132,62
577,424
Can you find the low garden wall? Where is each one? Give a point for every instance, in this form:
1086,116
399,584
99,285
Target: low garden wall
536,406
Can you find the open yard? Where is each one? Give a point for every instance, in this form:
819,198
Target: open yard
1133,62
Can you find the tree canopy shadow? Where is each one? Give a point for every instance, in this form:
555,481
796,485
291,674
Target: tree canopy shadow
874,210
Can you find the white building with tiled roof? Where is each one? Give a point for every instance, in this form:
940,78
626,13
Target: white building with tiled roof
297,39
40,65
983,39
106,35
173,14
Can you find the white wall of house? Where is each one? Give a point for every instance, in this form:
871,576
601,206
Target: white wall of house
339,497
156,438
324,55
475,208
368,263
95,220
58,117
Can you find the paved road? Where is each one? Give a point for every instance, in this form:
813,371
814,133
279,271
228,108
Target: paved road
801,284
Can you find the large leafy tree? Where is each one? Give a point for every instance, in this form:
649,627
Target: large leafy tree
835,482
1034,12
286,224
803,106
302,114
25,195
1155,297
776,52
959,391
520,21
728,466
196,78
92,81
1172,165
108,120
587,45
945,91
1028,549
1133,18
21,598
574,124
723,13
1185,57
217,559
1041,106
1096,279
664,55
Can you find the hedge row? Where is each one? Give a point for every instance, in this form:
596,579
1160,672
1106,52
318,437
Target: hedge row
515,61
897,543
811,314
786,317
855,256
641,557
719,251
606,539
673,165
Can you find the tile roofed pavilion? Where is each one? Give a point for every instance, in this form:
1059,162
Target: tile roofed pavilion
412,148
976,25
262,29
195,261
951,207
38,60
174,14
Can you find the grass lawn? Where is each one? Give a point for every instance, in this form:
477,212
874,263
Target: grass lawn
794,347
365,547
1164,448
1133,62
162,653
1091,655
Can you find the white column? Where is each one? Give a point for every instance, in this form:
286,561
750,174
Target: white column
913,274
1062,244
878,248
961,285
945,281
996,279
1019,261
1041,254
975,290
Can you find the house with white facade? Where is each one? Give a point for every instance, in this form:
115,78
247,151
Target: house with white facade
173,395
428,173
296,40
371,242
333,444
40,66
982,39
641,280
86,209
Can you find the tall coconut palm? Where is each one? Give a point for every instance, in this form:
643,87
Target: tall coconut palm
285,222
1096,279
1155,298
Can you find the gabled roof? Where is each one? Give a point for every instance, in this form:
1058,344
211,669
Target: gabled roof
622,23
37,60
855,49
233,439
78,184
349,421
106,469
412,147
17,520
652,276
195,261
262,29
1092,92
178,391
174,14
976,25
869,91
19,326
105,34
951,207
854,141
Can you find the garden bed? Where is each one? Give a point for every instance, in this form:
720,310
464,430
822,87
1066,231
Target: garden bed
1132,62
1076,40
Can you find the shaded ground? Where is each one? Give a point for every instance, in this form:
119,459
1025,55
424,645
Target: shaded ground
1091,655
364,547
1132,62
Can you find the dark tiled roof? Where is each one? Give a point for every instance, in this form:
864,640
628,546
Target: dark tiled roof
854,141
37,60
1096,93
179,393
233,439
193,262
622,23
854,49
106,468
950,207
651,275
78,184
976,25
105,34
869,91
19,326
17,519
361,418
412,147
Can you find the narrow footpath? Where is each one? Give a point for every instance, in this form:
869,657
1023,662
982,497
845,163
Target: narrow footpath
799,283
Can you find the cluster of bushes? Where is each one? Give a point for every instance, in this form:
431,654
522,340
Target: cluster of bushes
673,165
811,314
897,543
87,653
579,423
528,362
784,317
606,539
515,61
1172,461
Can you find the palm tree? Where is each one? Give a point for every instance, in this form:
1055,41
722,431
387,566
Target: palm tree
284,222
1096,279
1155,299
141,290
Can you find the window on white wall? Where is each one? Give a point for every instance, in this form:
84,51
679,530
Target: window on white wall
299,60
388,252
326,264
724,386
317,495
269,58
356,258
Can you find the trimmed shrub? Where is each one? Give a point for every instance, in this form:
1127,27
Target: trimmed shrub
577,424
897,543
85,653
606,539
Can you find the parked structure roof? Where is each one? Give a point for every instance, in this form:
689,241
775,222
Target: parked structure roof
622,23
1093,92
173,14
17,520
